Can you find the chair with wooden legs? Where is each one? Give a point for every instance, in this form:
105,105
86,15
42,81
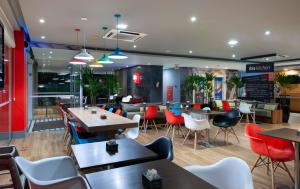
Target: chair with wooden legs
273,153
149,116
195,127
245,110
174,122
225,123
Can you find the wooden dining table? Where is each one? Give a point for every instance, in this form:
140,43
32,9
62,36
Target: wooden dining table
93,122
95,155
130,177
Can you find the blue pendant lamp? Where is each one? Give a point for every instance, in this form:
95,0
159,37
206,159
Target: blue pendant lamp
117,54
105,59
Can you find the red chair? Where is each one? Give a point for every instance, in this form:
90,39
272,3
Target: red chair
174,121
197,106
273,152
118,112
150,115
226,106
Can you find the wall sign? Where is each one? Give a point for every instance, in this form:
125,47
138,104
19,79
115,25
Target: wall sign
169,92
262,67
258,87
218,88
137,77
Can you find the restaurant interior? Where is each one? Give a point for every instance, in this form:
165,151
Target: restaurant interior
108,94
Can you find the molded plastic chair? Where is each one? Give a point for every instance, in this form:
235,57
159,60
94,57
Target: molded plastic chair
195,126
127,99
229,173
225,123
226,106
197,106
77,139
133,133
163,146
118,112
150,115
245,110
273,152
52,173
174,122
111,110
7,162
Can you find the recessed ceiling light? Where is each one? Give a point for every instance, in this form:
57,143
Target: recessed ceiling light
226,68
206,66
122,26
190,52
134,46
233,56
267,32
267,59
43,37
193,19
42,20
233,42
83,18
168,51
50,52
50,57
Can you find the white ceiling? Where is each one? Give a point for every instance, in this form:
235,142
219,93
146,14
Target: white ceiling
168,25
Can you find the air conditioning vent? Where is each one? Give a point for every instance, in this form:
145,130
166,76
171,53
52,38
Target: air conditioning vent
128,36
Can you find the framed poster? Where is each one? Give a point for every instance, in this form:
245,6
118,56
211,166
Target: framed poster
1,57
218,88
169,93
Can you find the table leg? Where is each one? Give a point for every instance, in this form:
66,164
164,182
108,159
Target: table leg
297,166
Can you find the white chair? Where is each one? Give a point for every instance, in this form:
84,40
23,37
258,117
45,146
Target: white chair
127,99
245,110
133,133
52,173
229,173
195,126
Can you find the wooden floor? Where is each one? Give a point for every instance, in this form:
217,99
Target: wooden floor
40,145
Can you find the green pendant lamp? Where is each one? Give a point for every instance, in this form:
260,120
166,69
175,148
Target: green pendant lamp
105,59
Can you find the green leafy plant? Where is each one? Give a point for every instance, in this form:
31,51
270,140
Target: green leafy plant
235,82
193,82
209,77
283,80
90,83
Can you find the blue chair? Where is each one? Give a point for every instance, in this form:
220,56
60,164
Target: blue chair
78,140
176,109
111,109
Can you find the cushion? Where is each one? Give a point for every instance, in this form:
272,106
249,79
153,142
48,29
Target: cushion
131,107
263,113
271,106
260,106
218,103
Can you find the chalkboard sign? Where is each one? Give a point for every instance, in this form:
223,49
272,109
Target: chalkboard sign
1,57
262,67
258,87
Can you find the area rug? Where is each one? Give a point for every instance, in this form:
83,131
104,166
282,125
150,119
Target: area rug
49,125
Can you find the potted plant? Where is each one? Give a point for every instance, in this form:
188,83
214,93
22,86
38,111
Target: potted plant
90,84
284,81
193,83
235,83
208,86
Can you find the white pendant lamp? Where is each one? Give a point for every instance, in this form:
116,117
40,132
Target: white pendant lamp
117,54
75,61
84,55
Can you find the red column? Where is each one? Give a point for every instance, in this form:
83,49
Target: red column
19,84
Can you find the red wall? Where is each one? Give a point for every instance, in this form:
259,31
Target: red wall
19,67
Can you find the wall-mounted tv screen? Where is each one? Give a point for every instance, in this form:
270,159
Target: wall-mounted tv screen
1,56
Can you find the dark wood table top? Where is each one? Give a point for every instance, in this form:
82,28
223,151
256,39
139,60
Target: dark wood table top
95,154
130,177
283,133
93,122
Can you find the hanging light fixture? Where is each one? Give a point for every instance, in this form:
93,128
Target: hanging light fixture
95,64
105,59
84,55
77,61
117,54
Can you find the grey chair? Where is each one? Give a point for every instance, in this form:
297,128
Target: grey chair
52,173
7,163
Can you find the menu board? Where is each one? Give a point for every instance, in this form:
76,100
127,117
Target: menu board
1,57
258,87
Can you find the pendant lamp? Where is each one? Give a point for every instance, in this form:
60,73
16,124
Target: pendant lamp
77,61
95,64
117,54
105,59
84,55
